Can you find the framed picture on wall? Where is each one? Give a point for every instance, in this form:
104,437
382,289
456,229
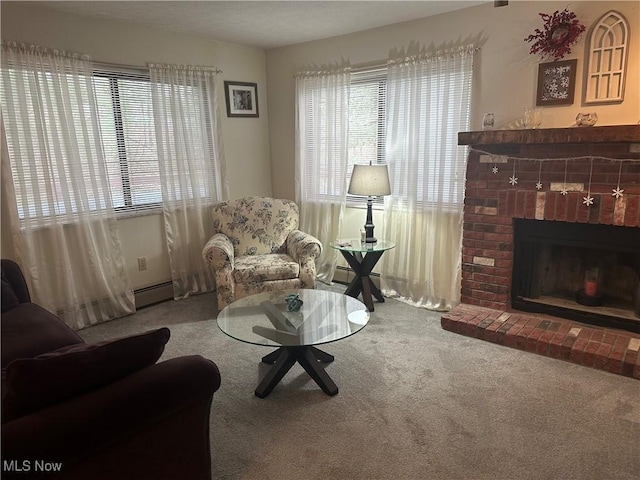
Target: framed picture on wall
242,99
556,83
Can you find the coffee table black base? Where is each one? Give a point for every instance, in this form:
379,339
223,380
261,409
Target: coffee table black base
311,359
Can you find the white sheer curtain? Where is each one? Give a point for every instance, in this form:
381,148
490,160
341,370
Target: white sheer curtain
55,180
322,126
429,99
192,174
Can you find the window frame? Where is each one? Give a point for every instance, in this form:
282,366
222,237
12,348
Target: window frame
114,73
363,77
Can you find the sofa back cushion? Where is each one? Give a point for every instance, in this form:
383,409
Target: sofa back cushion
34,383
28,330
256,225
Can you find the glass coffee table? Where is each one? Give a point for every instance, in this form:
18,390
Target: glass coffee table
263,319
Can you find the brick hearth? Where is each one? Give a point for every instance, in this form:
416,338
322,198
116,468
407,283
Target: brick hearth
492,203
615,351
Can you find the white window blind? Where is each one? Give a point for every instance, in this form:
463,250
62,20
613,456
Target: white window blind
367,112
126,118
322,122
128,141
442,100
186,129
40,184
430,103
367,108
448,96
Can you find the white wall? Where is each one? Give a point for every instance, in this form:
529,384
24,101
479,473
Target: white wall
506,74
246,140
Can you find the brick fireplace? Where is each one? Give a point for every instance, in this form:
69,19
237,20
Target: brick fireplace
504,171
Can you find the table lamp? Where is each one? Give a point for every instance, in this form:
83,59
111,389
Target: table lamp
370,181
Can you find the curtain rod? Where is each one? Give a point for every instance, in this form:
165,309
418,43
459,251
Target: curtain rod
376,64
138,68
119,65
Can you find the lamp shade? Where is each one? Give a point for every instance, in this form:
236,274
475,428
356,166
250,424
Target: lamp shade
369,180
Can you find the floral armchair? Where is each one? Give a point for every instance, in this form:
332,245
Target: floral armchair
257,247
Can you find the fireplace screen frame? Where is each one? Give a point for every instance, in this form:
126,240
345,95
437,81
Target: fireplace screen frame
532,236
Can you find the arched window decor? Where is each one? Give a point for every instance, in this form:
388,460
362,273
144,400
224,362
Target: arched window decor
607,51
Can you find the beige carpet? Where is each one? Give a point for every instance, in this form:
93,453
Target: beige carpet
415,402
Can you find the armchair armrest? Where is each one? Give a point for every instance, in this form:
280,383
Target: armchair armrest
218,252
73,432
303,246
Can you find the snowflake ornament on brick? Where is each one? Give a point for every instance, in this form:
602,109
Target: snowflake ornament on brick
588,200
617,192
513,180
539,182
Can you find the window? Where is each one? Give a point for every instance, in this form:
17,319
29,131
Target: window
444,93
128,141
367,112
442,177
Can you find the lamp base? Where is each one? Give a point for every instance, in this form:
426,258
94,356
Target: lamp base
368,226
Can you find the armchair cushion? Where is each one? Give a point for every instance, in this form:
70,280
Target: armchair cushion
34,383
264,268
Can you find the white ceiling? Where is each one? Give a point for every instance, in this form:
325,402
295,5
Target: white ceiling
264,24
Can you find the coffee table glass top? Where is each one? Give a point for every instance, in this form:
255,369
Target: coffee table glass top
323,318
355,245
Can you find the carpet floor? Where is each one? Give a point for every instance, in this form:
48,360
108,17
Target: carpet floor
415,402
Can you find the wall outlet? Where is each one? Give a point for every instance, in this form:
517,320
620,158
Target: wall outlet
142,263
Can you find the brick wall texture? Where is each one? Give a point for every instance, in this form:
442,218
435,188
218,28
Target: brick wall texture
492,203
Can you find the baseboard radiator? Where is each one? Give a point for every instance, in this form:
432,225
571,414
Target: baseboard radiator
164,291
153,294
344,275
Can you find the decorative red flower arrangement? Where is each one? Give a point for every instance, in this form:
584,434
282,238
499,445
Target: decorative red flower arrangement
561,31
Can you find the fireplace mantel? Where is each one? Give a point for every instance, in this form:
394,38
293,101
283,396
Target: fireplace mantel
571,135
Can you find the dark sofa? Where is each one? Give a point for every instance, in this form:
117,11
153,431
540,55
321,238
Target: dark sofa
72,410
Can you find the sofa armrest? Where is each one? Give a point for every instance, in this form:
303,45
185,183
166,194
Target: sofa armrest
303,246
11,273
72,431
218,252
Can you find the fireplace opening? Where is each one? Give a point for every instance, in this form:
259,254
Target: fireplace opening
584,272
